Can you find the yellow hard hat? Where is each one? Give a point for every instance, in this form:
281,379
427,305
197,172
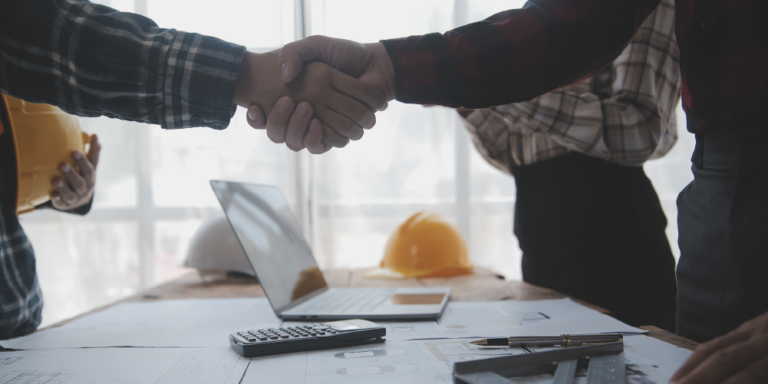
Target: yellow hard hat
426,245
45,136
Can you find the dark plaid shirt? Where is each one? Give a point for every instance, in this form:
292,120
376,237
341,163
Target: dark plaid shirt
519,54
21,301
91,60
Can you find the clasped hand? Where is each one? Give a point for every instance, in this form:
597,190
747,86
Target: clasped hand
77,189
342,105
361,73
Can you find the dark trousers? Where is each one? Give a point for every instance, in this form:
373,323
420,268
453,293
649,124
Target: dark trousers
712,300
596,231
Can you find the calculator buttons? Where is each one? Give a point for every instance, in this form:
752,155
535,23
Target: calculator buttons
298,332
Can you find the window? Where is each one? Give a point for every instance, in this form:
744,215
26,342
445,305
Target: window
152,190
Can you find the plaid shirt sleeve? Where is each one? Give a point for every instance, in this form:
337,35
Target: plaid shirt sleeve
514,55
91,60
625,114
21,301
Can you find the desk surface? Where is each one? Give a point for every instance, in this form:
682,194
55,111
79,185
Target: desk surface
483,285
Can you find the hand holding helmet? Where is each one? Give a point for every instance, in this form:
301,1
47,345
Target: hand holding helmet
46,139
78,188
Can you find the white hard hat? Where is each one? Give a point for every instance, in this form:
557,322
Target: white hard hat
215,249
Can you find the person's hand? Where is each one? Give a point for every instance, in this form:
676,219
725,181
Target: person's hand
367,62
343,104
78,188
738,357
298,130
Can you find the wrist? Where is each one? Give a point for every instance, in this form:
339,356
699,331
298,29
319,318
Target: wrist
383,65
253,80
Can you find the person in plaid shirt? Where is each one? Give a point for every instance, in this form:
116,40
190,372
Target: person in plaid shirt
21,300
519,54
91,60
577,154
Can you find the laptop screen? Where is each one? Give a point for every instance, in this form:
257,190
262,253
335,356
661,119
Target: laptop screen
270,237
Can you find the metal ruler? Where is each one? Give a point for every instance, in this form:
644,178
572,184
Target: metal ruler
605,365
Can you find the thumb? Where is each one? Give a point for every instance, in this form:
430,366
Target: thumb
347,56
293,55
94,151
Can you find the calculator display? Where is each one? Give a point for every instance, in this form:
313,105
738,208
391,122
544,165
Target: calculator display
343,325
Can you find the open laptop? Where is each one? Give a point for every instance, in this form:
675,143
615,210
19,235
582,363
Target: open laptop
289,275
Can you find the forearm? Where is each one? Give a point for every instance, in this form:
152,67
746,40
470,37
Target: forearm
624,114
91,60
613,129
515,55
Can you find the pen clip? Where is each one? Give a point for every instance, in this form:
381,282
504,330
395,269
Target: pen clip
596,343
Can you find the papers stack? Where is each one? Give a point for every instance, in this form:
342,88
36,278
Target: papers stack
186,341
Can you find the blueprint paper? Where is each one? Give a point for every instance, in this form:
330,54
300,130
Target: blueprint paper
166,323
208,322
391,362
525,318
398,331
508,318
123,365
649,361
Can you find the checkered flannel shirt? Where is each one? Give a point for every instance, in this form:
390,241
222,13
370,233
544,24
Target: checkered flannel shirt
91,60
21,301
519,54
624,114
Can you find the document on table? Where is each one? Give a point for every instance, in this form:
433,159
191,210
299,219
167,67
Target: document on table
510,318
208,322
649,361
123,365
167,323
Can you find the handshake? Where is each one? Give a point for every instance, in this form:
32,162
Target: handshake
327,92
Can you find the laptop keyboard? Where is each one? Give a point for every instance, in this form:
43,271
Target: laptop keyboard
348,300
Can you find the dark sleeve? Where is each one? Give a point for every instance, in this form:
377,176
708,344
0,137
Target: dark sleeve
81,210
514,55
91,60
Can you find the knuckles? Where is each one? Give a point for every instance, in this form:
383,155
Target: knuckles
295,148
724,357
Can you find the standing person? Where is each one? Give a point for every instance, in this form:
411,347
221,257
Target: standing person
517,55
587,218
91,60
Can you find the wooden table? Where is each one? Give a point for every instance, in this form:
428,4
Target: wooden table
483,285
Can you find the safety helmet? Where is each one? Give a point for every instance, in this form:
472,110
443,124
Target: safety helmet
215,250
45,136
425,245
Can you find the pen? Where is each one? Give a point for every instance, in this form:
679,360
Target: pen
543,341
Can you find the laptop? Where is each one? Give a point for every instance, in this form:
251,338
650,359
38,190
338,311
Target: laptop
288,273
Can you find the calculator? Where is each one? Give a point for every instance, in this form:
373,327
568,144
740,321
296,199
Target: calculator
333,334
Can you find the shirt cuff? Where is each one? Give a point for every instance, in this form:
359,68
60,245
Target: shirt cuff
200,82
81,210
425,71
